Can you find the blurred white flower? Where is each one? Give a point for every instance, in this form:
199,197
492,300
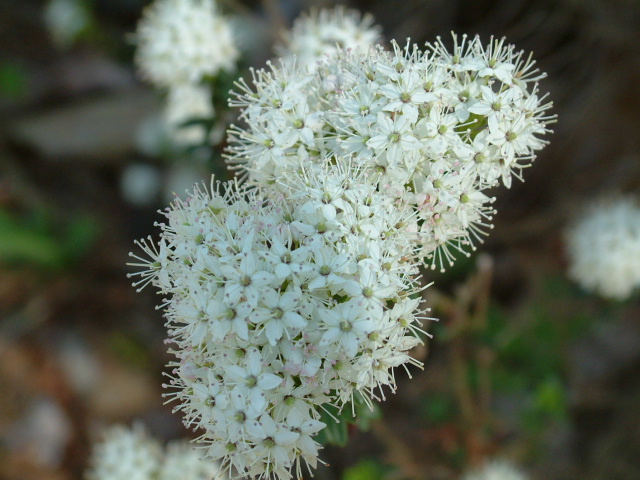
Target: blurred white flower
180,177
319,34
603,247
140,184
184,103
125,454
131,454
66,19
182,462
496,470
184,41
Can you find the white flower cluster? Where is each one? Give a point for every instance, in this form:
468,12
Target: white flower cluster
181,44
441,126
496,470
320,34
603,247
298,292
183,41
278,308
131,454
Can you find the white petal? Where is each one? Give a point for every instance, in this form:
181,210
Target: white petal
267,381
274,331
285,437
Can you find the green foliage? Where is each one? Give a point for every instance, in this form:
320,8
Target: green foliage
550,398
13,81
531,354
129,349
438,408
337,432
519,360
364,470
548,403
534,349
34,240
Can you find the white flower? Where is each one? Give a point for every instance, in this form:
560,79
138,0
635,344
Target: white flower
496,470
275,448
435,128
244,280
603,246
322,33
279,314
184,103
273,314
125,454
66,19
131,454
183,41
252,380
182,462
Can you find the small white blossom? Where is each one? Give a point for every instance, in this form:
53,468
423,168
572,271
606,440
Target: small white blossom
603,246
184,103
66,19
183,41
131,454
182,462
125,454
319,34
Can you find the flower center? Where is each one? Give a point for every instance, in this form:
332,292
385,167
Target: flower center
251,381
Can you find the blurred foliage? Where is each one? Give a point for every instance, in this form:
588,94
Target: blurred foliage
508,368
337,430
365,470
13,81
439,408
130,350
35,239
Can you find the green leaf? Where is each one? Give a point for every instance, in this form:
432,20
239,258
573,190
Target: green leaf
364,470
34,240
438,408
22,245
79,237
364,414
13,81
550,398
335,433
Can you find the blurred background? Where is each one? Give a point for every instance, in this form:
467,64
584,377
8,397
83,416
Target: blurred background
523,365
